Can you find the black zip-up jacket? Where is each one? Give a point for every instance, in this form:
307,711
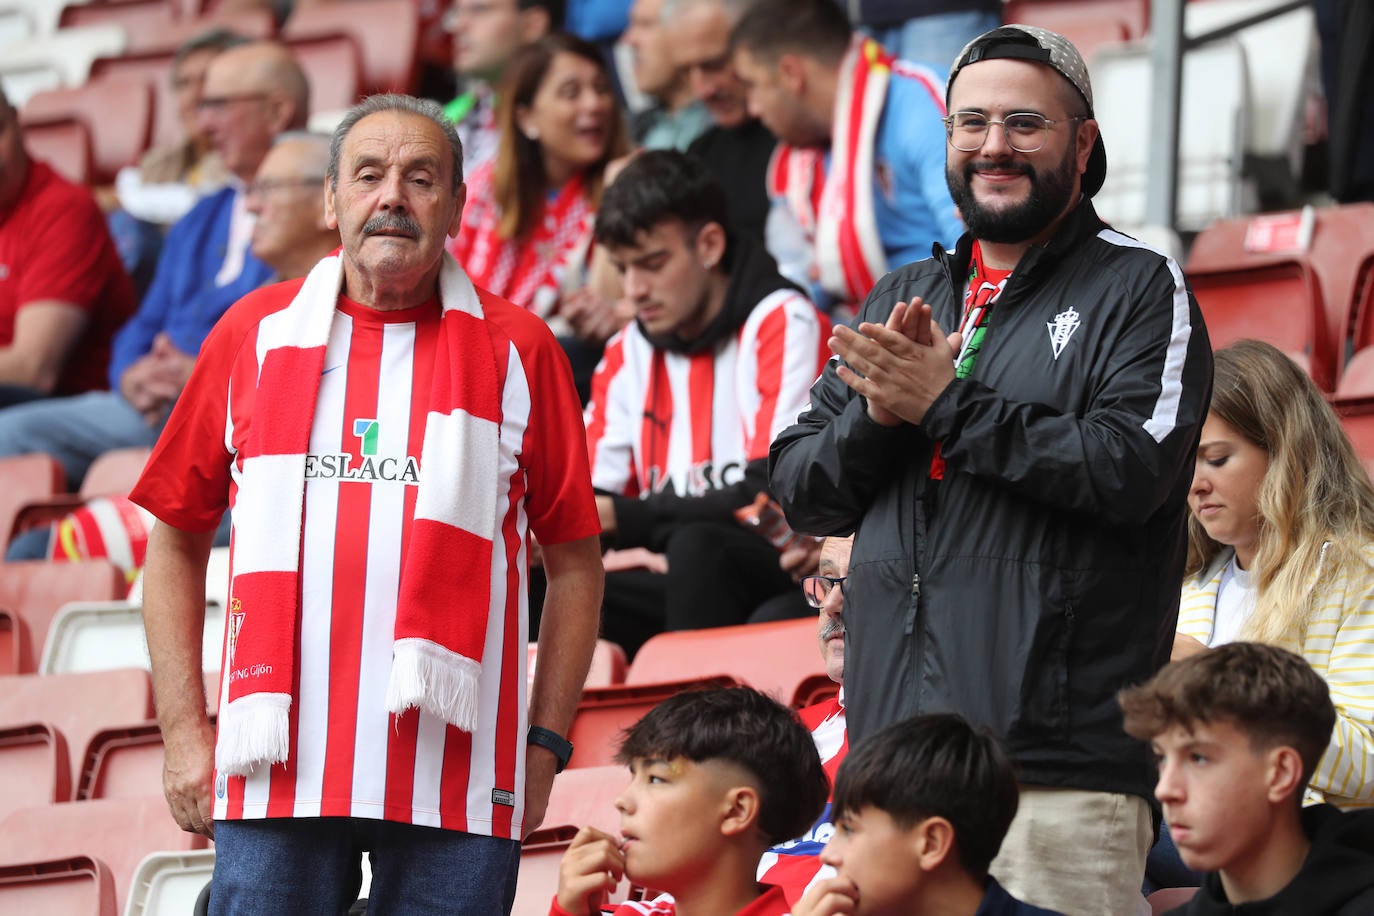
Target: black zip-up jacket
1042,574
1337,877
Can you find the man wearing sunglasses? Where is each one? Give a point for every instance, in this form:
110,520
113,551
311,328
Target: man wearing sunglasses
1018,486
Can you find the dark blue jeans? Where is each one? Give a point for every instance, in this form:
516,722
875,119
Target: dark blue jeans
307,866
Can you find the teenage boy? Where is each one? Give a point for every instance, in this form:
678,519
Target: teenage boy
716,777
920,811
1237,732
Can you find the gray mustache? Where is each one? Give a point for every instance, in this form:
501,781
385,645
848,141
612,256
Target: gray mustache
392,222
831,627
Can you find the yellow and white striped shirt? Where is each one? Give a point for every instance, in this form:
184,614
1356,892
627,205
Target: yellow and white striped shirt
1338,642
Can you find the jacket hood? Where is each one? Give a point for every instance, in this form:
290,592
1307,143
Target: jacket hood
1337,879
753,276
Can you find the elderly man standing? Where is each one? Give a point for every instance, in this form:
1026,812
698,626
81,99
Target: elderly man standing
390,438
1018,487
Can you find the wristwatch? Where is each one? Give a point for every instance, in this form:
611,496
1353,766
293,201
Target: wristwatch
551,740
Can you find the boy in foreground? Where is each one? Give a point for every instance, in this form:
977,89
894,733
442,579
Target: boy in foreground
920,811
1238,731
716,778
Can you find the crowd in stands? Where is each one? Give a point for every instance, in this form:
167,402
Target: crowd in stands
794,308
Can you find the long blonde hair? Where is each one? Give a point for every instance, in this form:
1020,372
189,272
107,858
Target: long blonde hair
1314,494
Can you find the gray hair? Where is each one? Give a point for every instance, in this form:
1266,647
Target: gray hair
407,104
671,9
319,144
216,39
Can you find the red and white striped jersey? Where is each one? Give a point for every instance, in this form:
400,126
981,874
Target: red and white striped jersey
769,903
794,866
349,756
695,420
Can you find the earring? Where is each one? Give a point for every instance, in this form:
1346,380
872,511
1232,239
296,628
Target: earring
532,134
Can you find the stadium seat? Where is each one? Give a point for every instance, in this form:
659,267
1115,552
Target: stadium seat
169,34
773,657
35,767
33,591
1280,303
331,64
1089,24
540,856
1213,125
119,832
168,883
26,20
23,479
77,886
122,762
114,473
61,59
155,69
387,33
604,712
133,16
608,664
586,795
1167,898
101,635
64,144
115,141
77,705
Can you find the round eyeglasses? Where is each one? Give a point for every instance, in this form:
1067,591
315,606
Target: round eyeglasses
1025,131
817,588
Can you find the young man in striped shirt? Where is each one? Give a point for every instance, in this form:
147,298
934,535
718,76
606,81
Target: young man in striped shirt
389,438
686,399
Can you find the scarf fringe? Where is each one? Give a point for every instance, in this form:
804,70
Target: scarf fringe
256,732
430,677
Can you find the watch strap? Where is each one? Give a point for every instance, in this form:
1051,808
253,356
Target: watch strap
551,740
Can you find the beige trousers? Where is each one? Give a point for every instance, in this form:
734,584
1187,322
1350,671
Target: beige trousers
1081,853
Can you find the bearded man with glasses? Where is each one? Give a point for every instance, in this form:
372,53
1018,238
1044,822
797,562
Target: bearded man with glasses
1018,485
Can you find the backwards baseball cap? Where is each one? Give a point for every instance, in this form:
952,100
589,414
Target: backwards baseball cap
1041,46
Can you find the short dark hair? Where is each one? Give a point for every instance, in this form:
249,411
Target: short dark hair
216,39
657,186
815,28
555,9
1270,694
935,766
742,726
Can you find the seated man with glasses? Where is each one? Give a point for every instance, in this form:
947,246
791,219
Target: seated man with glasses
1019,487
794,865
252,92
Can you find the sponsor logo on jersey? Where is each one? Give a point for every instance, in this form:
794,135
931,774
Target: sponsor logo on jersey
700,478
366,466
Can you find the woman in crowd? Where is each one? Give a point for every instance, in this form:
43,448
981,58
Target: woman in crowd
1281,546
528,219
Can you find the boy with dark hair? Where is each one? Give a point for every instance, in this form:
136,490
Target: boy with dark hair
1238,731
920,811
716,777
720,357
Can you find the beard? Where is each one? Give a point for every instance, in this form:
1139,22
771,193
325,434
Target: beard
1050,192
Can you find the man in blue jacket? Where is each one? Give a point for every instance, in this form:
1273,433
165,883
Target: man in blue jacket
252,93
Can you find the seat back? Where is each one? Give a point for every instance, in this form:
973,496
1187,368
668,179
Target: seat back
61,59
1280,303
63,887
118,832
1357,419
607,668
115,141
115,472
387,33
584,796
35,767
123,763
331,64
540,856
1089,24
155,69
24,478
64,144
774,657
78,705
168,883
134,16
604,713
35,590
168,34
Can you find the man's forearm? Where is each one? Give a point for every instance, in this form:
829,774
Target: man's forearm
174,620
567,631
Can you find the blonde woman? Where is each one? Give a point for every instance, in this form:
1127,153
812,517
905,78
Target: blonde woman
1281,546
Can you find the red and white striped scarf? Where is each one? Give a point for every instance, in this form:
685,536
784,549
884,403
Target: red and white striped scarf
835,206
439,631
532,270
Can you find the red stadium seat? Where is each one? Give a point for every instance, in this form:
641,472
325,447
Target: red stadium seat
773,657
114,473
155,69
540,856
23,479
387,33
331,64
1357,419
607,668
1087,23
168,34
79,706
34,591
1280,303
118,832
115,141
64,144
35,768
123,763
586,795
66,887
605,712
134,16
